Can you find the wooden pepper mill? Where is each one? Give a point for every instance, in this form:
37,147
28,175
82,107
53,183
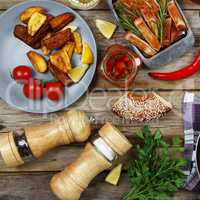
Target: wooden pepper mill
17,147
97,156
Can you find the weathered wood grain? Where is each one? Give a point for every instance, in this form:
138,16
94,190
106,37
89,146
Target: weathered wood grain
31,181
24,187
4,4
98,105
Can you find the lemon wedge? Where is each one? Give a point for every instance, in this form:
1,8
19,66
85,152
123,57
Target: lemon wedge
87,55
77,73
114,175
106,28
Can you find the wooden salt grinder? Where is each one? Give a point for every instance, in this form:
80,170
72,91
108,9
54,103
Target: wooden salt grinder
34,141
70,183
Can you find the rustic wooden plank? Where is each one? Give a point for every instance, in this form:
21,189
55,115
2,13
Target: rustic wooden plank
98,105
25,187
4,4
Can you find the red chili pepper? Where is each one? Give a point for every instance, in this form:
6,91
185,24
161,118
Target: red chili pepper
180,74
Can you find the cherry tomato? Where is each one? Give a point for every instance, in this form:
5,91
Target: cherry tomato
22,74
119,67
33,89
54,91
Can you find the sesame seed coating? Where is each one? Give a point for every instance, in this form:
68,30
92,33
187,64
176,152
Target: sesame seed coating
141,108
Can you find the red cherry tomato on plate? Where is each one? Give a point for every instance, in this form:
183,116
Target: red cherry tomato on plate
33,89
54,91
22,74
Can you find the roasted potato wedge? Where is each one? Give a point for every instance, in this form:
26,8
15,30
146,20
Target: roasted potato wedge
35,23
69,49
26,14
61,60
38,61
44,49
58,40
59,75
78,42
61,21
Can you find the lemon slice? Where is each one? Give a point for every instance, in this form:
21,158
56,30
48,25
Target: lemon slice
87,55
114,175
77,73
106,28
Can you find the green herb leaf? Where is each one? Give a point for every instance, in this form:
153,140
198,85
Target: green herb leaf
154,176
126,17
162,17
157,135
176,141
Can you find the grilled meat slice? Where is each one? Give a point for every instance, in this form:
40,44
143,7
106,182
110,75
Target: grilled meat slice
167,32
175,34
176,16
141,44
147,34
151,19
58,40
61,21
21,32
154,4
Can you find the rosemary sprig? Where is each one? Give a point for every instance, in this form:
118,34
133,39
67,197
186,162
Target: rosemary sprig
128,25
154,176
121,8
162,17
126,17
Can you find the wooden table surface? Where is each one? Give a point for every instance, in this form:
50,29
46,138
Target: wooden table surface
31,181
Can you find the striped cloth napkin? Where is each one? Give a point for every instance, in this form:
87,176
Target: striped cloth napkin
191,115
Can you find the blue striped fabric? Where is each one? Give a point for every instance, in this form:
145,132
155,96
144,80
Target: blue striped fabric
191,116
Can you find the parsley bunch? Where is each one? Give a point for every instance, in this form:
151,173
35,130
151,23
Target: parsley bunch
154,176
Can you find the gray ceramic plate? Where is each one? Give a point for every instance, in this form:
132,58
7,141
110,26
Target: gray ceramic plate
13,53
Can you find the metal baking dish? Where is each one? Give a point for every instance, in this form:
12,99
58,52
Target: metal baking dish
166,55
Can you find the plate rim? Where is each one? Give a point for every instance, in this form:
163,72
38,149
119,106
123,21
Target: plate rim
95,51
